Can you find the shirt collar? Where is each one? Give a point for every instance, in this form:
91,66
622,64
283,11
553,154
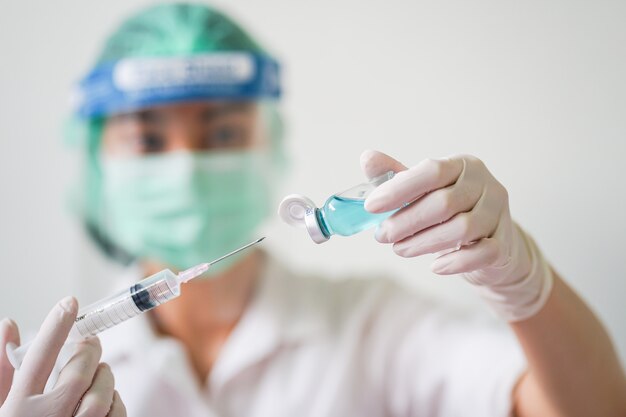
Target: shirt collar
282,312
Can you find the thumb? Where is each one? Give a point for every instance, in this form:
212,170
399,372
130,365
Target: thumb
374,163
8,334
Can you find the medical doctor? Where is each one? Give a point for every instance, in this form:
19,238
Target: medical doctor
183,144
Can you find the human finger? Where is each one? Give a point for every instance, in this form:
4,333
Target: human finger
407,186
375,163
462,229
43,351
8,334
432,209
118,409
468,258
98,399
78,374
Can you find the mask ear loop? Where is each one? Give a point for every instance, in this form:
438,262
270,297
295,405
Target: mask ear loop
107,246
274,129
86,201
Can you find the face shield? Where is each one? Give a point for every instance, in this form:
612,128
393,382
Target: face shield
173,202
137,83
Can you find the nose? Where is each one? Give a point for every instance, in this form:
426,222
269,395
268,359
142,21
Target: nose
183,136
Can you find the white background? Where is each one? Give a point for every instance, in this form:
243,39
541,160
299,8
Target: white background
535,88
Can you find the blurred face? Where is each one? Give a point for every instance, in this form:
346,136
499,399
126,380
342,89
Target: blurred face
185,183
201,126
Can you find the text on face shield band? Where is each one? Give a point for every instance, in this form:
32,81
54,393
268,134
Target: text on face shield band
136,83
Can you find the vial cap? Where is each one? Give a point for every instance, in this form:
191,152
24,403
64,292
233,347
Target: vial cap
298,210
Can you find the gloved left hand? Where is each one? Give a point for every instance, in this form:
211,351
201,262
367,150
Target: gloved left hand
84,386
461,212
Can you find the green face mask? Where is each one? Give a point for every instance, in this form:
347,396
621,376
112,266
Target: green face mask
185,208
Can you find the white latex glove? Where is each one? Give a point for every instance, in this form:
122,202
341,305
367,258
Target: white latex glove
84,387
460,211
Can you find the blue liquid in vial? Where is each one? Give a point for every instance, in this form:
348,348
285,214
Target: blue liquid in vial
347,216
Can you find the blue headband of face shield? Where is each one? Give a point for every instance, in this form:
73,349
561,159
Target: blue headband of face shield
136,83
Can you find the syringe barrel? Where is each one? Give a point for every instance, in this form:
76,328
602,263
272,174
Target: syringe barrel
108,312
142,296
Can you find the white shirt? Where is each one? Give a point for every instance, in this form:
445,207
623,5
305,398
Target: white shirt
311,347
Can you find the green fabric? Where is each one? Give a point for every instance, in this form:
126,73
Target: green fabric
164,30
185,208
176,30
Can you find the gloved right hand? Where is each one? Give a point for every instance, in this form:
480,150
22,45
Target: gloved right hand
85,387
461,212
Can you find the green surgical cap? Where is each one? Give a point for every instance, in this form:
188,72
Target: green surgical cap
177,29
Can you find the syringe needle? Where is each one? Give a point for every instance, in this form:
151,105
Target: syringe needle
236,250
195,271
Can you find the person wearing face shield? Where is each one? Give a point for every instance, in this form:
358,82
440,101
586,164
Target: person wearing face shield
183,143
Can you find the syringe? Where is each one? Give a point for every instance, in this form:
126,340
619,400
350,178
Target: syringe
111,311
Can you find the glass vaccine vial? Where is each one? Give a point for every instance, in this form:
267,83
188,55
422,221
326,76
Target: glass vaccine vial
342,214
